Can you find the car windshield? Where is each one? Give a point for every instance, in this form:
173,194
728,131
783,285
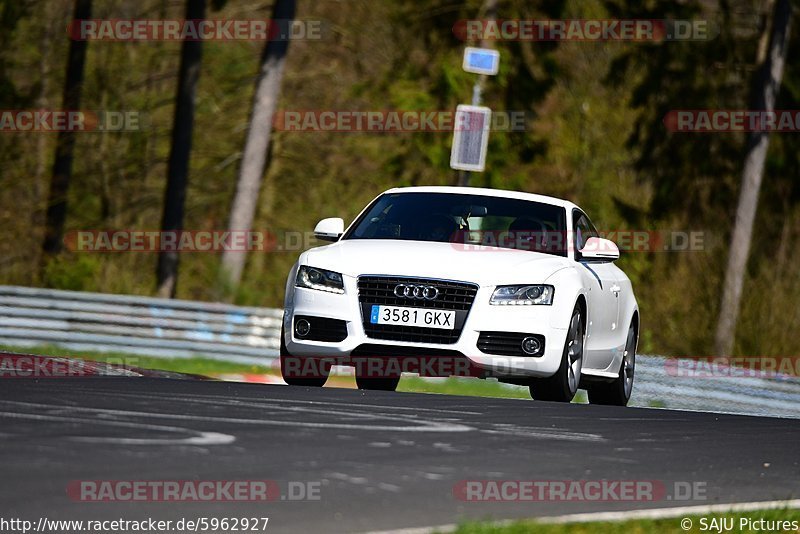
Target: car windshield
464,219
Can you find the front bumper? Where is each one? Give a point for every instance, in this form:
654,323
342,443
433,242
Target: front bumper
541,320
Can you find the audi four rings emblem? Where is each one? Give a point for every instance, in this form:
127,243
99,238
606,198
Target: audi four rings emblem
411,291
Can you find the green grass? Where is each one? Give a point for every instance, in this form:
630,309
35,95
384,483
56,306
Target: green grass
639,526
473,387
204,366
197,366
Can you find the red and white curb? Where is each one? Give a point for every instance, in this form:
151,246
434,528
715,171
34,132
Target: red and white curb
341,376
249,378
618,516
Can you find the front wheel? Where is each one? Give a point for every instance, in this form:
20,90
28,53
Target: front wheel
618,392
562,386
296,371
378,384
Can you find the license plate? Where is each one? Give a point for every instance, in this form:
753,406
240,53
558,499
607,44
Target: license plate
399,315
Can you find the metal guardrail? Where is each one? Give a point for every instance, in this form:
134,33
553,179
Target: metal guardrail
79,321
137,325
657,384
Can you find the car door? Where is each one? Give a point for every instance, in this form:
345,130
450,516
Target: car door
602,280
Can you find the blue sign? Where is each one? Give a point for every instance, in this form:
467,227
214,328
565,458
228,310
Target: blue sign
481,61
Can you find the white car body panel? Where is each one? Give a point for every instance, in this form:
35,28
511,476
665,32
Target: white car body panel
605,288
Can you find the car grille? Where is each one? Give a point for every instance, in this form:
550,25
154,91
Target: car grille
456,296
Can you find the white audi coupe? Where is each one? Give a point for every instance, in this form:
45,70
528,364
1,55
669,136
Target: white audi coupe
462,281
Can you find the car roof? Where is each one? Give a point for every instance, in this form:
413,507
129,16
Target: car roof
486,192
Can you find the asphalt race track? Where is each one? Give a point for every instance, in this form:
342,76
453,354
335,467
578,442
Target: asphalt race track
379,460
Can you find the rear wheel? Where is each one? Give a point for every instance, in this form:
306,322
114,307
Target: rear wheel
618,392
562,386
295,371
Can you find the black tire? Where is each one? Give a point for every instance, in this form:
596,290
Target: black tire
378,384
563,385
618,392
316,379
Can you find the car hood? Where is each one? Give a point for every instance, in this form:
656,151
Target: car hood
473,263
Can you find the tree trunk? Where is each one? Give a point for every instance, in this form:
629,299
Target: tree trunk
65,143
251,172
768,84
178,167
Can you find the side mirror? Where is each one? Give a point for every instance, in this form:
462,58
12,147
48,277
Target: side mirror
329,229
600,250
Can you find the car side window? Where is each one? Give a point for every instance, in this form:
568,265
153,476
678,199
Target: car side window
584,229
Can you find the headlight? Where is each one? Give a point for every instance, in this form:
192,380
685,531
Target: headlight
522,295
319,279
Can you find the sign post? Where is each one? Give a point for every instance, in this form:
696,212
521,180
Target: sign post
470,138
473,123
